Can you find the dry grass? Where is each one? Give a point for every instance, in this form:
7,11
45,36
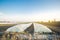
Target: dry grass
1,25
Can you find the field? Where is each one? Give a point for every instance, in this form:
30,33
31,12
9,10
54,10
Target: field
3,27
54,26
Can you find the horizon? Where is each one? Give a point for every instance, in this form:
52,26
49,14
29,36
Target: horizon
29,10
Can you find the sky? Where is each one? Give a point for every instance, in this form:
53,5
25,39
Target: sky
29,10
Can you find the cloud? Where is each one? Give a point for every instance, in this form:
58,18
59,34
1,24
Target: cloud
1,13
35,16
